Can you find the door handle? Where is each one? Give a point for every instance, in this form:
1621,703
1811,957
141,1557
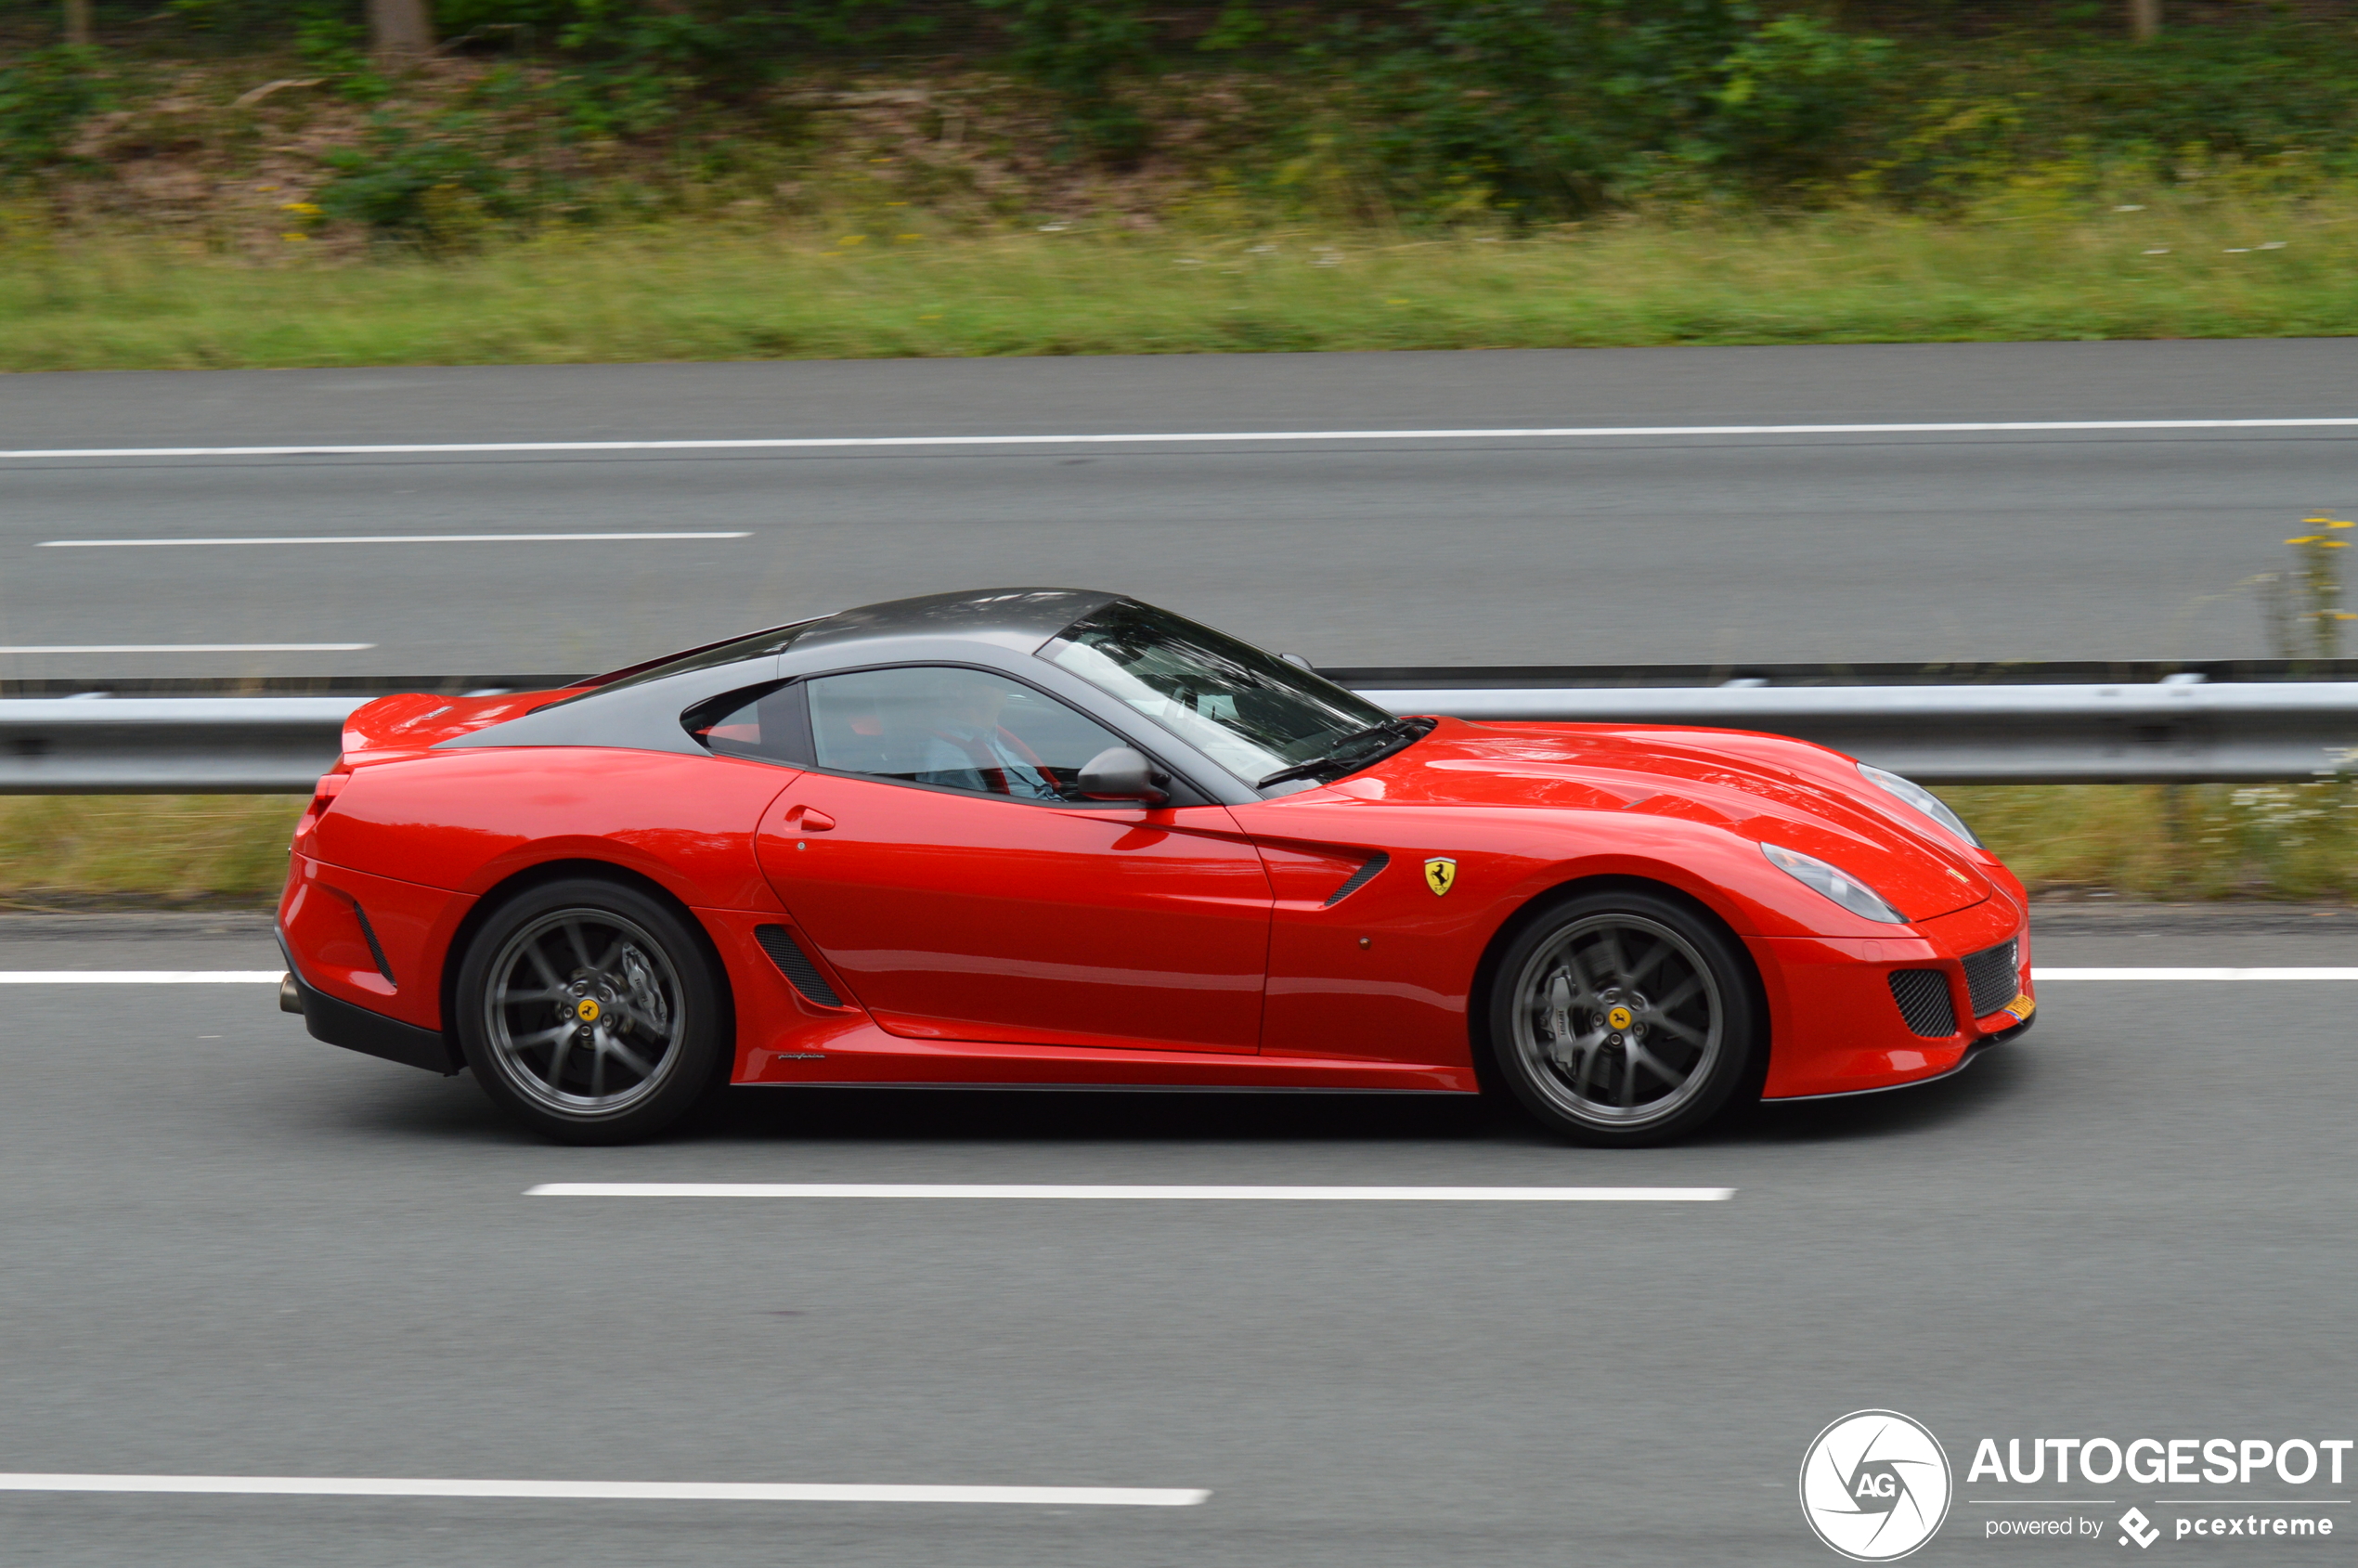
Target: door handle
808,821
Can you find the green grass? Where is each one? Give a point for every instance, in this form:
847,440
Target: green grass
144,849
2202,842
2045,268
2291,841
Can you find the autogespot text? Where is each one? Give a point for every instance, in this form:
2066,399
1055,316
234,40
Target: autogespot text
2153,1461
2173,1462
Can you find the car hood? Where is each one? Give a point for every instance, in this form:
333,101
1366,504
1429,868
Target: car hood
1766,788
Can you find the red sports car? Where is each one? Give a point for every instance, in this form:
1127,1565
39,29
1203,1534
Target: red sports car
1053,838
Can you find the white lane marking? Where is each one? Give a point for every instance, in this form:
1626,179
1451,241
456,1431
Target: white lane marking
644,1491
1223,1194
187,648
381,538
1510,433
141,976
2044,974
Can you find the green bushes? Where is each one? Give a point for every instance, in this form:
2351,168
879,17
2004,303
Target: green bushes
1790,96
442,182
43,95
1077,49
1544,108
1410,111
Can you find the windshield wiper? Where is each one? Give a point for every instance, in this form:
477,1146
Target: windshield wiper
1383,739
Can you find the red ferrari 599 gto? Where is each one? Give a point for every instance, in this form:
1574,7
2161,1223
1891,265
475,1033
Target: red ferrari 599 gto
1054,837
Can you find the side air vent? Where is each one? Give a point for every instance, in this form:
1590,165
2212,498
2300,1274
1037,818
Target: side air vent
376,949
1992,977
796,964
1922,995
1359,879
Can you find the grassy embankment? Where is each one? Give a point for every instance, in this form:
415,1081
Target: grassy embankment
2279,841
713,291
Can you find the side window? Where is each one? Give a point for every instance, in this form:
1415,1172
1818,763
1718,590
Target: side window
761,723
962,729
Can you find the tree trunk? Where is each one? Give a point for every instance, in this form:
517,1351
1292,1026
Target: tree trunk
2144,20
399,29
77,21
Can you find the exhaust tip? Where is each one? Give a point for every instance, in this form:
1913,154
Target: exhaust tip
289,995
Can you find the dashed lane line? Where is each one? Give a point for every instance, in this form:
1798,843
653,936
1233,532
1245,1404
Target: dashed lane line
141,976
1120,1193
386,539
2044,975
187,648
639,1491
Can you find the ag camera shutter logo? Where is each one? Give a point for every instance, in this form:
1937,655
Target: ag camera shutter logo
1875,1486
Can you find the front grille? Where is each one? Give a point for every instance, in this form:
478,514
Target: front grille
1922,995
796,964
1992,977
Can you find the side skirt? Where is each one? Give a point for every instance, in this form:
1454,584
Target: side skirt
1130,1089
857,1054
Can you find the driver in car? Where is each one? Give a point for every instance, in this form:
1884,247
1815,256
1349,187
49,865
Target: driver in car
967,748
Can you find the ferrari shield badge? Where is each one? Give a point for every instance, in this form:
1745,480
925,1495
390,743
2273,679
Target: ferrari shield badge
1440,875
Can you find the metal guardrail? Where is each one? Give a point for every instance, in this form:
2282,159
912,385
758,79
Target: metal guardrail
2175,732
169,745
2179,730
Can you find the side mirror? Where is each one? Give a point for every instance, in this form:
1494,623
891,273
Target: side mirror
1119,773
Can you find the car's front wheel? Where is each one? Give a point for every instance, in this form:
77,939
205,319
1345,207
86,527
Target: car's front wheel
591,1012
1622,1017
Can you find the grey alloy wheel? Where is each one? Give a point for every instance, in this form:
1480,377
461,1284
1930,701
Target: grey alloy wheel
583,1012
1618,1020
1624,1016
592,1011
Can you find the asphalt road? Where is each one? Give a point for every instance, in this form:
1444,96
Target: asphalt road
230,1250
2111,544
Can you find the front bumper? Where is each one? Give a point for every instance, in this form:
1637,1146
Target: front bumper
1837,1028
1974,1050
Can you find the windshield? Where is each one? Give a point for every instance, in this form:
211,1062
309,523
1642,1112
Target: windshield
1250,712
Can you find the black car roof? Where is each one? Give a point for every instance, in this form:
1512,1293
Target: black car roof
1001,612
640,709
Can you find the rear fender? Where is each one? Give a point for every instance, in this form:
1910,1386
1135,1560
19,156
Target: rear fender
481,910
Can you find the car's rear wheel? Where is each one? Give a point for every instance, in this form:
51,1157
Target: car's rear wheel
1622,1017
591,1012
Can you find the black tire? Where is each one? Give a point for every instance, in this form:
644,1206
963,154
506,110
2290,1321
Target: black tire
591,1012
1623,1017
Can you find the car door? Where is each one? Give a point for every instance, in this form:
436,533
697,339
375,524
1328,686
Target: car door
934,857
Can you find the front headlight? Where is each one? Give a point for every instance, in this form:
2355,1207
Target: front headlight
1853,895
1922,799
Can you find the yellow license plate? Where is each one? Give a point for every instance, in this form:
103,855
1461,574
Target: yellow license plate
2022,1006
